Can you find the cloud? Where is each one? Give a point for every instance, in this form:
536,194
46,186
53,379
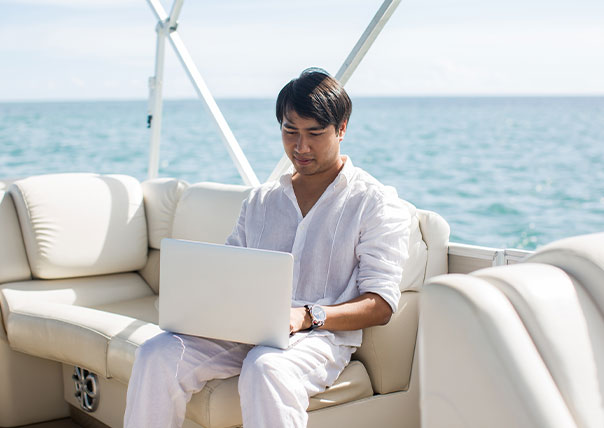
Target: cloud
79,4
253,57
80,83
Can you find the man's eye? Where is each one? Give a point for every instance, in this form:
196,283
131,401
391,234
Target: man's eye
290,132
316,134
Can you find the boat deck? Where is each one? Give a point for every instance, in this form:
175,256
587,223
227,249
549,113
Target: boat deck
60,423
77,419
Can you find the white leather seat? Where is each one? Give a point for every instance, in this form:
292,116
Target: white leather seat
519,345
81,224
97,305
13,259
582,258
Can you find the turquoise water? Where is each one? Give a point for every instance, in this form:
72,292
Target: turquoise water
504,172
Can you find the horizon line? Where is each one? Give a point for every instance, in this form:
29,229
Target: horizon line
221,98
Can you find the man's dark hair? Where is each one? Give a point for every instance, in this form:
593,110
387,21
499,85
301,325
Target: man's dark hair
317,95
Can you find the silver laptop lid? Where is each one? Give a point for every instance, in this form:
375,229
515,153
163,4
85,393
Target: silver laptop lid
225,292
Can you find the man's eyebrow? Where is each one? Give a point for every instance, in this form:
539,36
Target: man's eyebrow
316,128
312,128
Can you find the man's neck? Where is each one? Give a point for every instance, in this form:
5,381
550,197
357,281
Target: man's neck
309,188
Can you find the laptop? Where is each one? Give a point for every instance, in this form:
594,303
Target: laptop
225,292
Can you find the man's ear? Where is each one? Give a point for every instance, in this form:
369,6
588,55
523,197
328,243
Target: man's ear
342,130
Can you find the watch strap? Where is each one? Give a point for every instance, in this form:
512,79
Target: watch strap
314,322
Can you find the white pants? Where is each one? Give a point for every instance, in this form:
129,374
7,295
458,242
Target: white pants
274,384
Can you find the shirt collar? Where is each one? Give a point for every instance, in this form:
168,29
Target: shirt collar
346,174
343,178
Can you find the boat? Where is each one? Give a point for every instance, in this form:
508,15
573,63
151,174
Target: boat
79,279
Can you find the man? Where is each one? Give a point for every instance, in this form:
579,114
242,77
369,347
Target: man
349,236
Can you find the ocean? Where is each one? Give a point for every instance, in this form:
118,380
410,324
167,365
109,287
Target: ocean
510,172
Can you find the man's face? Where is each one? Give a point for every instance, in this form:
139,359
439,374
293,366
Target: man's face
311,148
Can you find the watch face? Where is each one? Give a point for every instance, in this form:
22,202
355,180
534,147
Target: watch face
318,313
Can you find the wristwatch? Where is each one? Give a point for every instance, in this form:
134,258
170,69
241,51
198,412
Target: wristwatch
317,316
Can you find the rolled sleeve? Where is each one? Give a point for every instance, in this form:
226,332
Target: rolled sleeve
383,248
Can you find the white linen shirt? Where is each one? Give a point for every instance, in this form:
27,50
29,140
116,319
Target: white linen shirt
354,240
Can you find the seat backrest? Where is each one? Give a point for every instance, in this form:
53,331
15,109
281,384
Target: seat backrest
208,212
13,260
478,365
548,305
199,212
582,258
517,345
161,196
81,224
387,351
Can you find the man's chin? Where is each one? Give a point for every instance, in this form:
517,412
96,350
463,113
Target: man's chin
308,169
304,170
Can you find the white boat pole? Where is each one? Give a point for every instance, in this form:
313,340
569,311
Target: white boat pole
237,155
155,95
352,61
158,9
366,40
155,103
174,14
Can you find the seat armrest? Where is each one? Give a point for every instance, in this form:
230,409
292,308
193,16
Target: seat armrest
435,233
387,351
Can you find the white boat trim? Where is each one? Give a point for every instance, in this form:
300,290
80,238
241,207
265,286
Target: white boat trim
497,256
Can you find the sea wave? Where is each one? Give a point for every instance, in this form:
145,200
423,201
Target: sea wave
504,172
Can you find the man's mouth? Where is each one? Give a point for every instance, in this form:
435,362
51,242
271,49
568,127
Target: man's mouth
302,161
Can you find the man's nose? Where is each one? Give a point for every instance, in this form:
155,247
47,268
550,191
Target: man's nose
302,145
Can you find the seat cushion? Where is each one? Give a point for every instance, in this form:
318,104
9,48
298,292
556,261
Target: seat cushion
70,334
89,291
81,224
142,308
217,404
122,348
48,319
352,384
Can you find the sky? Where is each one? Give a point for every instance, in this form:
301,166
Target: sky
105,49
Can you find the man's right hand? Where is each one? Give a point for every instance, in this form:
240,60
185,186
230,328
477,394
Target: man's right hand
299,319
